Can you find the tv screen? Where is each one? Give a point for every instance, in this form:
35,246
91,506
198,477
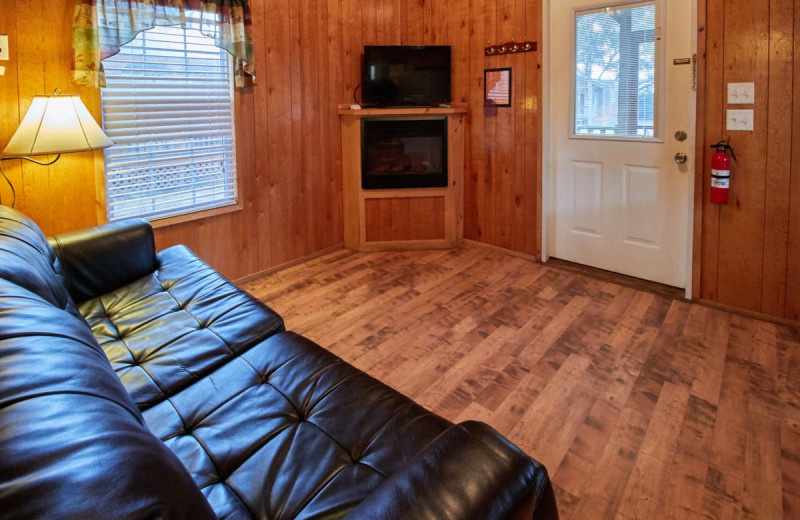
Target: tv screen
403,75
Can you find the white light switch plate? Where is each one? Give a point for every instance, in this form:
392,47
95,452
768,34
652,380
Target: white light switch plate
741,93
740,120
3,47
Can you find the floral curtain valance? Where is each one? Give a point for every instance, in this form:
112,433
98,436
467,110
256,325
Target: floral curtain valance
101,27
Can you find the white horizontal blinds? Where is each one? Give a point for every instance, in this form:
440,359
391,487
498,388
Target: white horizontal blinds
615,71
168,108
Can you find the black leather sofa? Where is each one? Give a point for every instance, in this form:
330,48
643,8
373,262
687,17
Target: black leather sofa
136,384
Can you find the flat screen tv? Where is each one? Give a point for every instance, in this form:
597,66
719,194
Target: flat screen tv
405,75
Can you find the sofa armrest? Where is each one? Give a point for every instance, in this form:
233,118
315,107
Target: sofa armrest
469,471
98,260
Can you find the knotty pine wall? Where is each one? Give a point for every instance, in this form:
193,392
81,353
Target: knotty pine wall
308,57
749,250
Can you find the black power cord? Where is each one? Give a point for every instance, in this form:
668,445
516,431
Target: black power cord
355,95
10,185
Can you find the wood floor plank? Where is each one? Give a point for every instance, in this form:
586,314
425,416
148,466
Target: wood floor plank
641,404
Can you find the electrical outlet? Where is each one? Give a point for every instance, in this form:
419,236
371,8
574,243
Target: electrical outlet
3,47
741,93
740,120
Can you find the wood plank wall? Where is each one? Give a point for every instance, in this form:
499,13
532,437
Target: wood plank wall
750,249
288,135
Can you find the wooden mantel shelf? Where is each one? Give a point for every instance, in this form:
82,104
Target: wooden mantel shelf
408,218
345,110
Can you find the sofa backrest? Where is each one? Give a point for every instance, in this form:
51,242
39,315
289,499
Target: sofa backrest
72,442
27,260
101,259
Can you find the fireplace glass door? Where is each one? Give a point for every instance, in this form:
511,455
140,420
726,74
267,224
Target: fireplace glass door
404,153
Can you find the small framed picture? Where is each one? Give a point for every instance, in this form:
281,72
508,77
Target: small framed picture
497,87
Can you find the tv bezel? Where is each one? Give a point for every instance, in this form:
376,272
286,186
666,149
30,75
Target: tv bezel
370,101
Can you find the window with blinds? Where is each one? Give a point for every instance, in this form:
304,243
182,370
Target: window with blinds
616,77
168,107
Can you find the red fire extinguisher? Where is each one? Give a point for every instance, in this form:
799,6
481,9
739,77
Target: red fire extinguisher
721,172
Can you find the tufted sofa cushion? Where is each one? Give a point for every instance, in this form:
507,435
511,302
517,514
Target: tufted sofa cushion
27,260
72,443
171,327
314,435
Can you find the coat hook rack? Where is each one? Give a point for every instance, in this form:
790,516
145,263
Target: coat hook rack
511,47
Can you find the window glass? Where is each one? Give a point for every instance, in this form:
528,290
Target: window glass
615,73
168,106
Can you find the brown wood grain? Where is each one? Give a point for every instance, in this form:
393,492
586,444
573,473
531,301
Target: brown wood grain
713,102
779,157
792,309
418,218
742,220
641,404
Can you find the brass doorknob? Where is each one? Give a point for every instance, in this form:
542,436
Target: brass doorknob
681,158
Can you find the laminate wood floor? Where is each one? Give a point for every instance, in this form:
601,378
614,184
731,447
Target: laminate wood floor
641,405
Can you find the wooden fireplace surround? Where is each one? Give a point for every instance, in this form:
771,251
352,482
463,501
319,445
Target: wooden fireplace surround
405,218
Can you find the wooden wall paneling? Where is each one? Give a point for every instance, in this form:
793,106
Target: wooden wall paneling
503,149
412,19
186,234
532,162
329,178
352,43
309,139
368,11
792,306
462,53
519,77
298,222
428,23
393,30
779,157
505,132
486,200
257,185
9,100
279,98
475,162
714,130
742,220
439,21
215,252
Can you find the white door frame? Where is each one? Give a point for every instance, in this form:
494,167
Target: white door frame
548,186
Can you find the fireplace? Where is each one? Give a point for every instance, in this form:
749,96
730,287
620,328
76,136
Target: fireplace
404,153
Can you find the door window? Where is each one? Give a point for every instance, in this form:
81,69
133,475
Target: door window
616,75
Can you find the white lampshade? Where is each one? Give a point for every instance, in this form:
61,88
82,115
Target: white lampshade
54,125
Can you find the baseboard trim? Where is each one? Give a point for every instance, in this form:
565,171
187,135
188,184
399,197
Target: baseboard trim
291,263
503,250
778,320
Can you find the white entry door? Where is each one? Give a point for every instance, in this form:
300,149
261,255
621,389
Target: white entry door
621,135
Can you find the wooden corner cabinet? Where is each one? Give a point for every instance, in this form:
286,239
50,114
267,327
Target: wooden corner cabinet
405,216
